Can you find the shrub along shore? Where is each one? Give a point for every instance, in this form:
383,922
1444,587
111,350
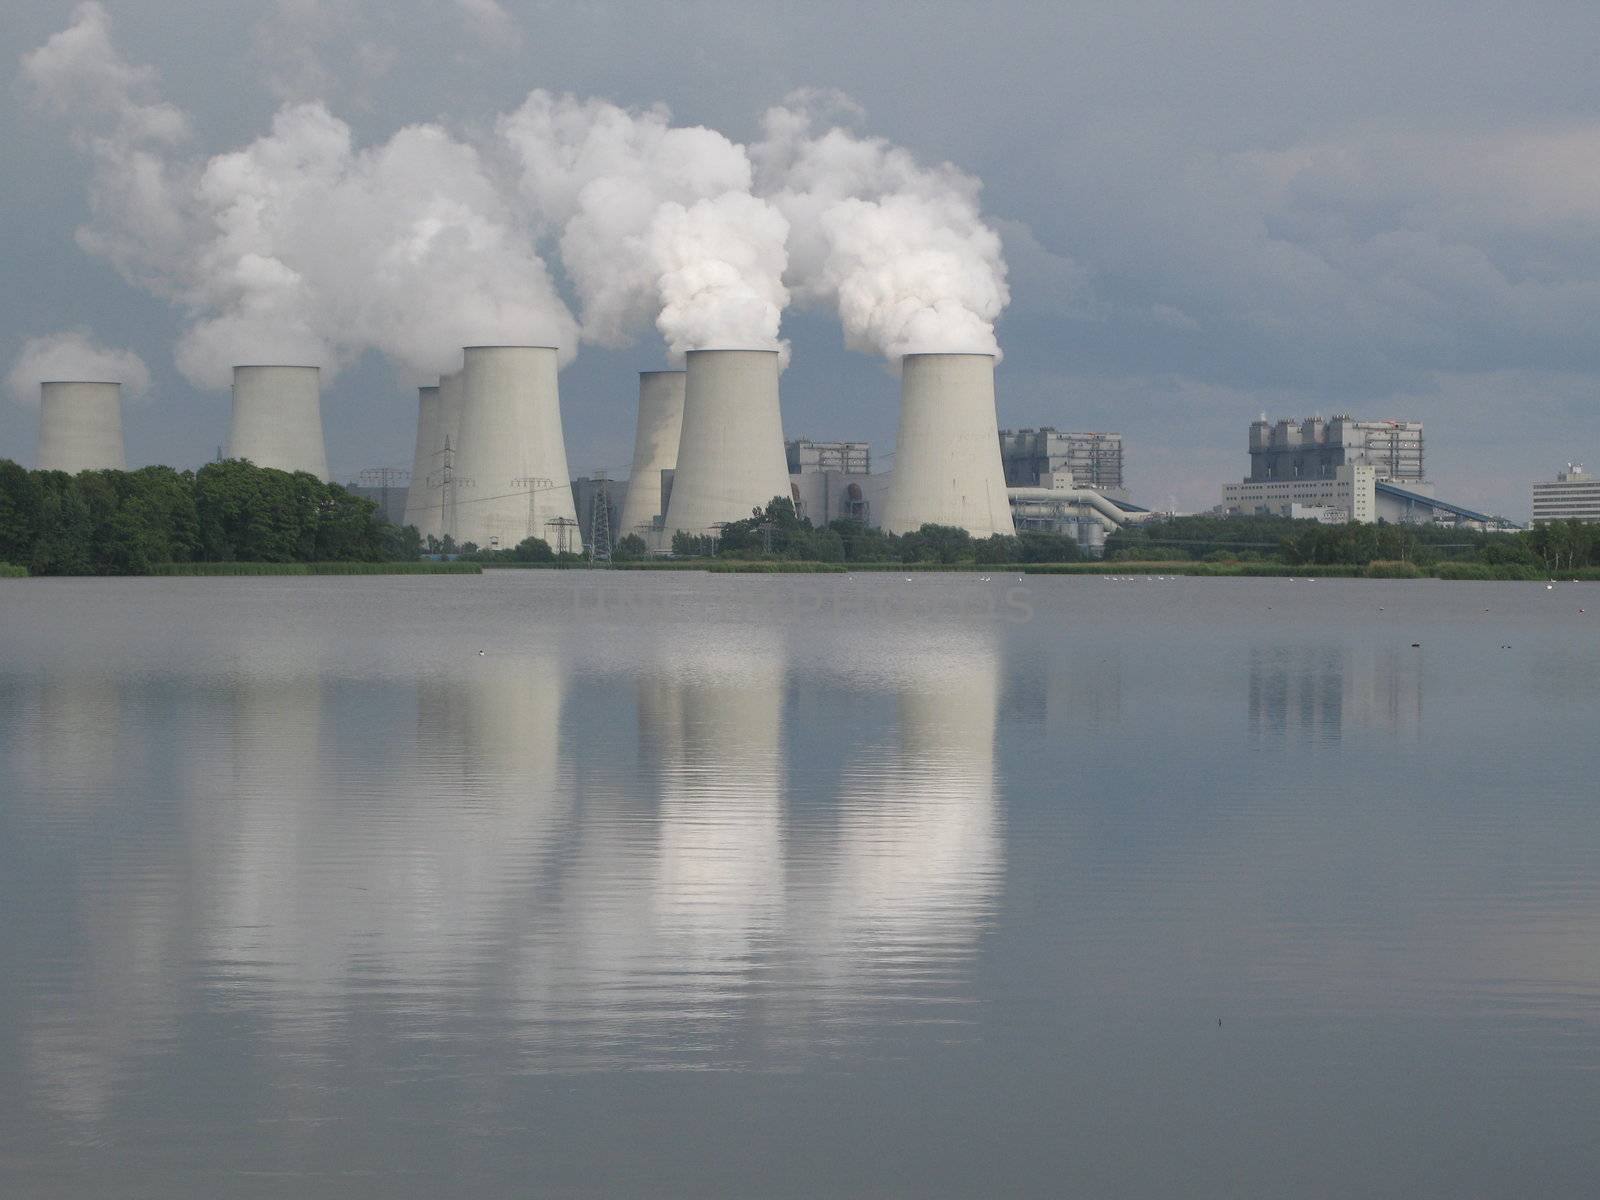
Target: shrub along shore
325,568
232,518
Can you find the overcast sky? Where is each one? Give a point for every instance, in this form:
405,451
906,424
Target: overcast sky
1208,210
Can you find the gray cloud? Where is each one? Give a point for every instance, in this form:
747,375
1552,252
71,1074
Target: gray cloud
1207,209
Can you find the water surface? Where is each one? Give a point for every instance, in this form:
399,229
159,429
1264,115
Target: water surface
581,885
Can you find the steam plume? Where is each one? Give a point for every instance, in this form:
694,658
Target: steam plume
656,222
300,247
900,248
74,355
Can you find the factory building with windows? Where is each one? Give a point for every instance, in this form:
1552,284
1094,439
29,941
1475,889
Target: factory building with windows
1574,495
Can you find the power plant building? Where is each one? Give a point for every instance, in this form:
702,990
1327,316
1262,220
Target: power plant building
730,452
80,427
947,452
1315,449
510,475
1035,457
277,418
830,480
1574,495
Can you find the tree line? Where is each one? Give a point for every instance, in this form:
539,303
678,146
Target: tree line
1558,546
125,522
777,532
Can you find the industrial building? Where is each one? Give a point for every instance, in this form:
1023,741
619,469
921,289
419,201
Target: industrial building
1316,449
80,426
277,418
1574,495
829,480
1355,493
1349,495
600,502
1342,470
383,486
1034,457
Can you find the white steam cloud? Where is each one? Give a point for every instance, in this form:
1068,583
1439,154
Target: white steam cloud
74,356
900,248
303,247
655,222
299,248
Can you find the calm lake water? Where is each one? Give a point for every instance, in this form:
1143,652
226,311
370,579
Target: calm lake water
694,886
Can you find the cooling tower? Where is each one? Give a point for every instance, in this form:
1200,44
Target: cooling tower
947,455
511,477
451,393
80,427
424,498
277,419
730,455
655,449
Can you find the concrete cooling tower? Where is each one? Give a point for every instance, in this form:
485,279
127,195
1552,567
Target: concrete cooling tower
947,456
655,449
424,498
730,455
452,391
277,418
80,427
511,479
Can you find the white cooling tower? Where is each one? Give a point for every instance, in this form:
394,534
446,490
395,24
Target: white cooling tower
511,479
655,449
452,391
424,503
730,455
277,418
947,456
80,427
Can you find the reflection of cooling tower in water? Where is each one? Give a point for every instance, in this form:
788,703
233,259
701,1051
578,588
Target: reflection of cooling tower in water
410,886
719,867
655,449
920,855
67,746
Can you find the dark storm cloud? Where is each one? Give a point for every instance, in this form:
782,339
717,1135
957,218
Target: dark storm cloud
1208,210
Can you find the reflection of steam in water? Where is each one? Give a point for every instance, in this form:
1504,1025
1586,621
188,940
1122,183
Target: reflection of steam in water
405,885
920,857
1313,692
